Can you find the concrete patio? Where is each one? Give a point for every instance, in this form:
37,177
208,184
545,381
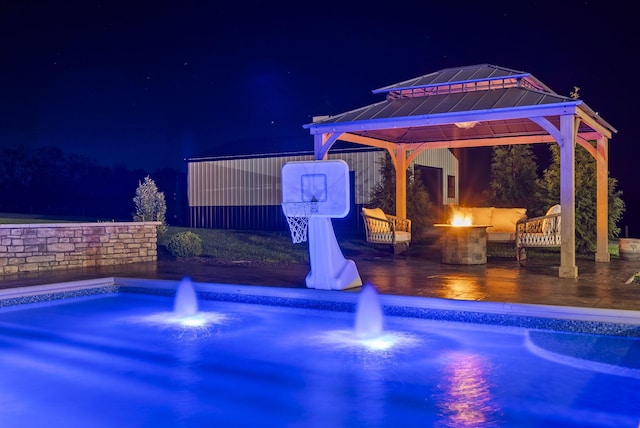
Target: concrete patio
599,285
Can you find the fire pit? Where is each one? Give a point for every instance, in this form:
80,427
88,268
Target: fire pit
463,245
462,242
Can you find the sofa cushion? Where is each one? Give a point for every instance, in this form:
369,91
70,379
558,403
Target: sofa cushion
374,212
402,237
377,213
481,215
500,236
505,219
553,210
547,224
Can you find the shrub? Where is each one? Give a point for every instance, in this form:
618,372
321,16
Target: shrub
150,204
185,244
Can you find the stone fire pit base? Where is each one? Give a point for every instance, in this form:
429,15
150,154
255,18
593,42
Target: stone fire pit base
463,245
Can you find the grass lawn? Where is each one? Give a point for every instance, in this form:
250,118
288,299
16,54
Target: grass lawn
25,220
37,219
243,246
258,246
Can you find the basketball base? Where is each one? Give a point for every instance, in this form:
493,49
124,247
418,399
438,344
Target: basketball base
329,269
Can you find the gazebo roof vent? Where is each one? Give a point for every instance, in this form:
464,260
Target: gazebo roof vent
473,78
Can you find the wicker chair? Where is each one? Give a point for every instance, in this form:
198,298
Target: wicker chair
538,232
387,229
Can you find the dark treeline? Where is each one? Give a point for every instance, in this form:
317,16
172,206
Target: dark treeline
47,181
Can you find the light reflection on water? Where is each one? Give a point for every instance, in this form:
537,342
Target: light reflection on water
383,342
184,327
465,396
170,318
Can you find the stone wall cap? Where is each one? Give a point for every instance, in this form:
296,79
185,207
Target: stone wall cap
73,224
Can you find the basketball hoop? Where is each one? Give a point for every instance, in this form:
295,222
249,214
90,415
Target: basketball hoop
297,214
319,189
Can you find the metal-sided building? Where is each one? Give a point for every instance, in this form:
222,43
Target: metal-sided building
245,192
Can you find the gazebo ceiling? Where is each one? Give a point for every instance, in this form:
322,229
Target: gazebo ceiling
451,132
457,104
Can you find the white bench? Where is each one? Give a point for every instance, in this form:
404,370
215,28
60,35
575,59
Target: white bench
387,229
538,232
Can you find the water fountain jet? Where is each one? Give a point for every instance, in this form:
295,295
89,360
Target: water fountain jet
186,302
369,319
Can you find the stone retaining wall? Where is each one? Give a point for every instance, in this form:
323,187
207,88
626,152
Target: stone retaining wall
54,246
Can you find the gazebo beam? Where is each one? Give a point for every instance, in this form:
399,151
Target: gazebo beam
455,144
588,147
593,124
322,143
367,141
482,142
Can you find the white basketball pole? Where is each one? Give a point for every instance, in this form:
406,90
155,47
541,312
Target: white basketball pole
329,269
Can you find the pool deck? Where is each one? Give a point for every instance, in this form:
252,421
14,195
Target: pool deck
599,285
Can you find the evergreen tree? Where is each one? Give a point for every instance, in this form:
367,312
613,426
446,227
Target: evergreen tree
383,194
419,207
514,178
150,204
585,188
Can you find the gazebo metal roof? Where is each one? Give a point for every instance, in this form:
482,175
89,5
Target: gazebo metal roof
473,106
485,101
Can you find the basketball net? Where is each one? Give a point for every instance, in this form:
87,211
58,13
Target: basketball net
297,214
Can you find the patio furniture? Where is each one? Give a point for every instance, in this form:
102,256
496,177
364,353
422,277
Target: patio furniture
538,232
387,229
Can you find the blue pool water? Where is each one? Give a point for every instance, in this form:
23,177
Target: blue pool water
118,359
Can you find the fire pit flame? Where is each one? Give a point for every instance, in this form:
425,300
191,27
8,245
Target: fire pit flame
460,218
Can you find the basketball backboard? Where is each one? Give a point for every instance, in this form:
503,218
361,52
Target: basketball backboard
322,183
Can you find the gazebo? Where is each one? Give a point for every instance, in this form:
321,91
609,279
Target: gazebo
475,106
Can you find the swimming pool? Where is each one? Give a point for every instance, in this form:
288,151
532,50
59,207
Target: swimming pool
107,353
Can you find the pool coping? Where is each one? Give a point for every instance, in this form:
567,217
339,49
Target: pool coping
618,322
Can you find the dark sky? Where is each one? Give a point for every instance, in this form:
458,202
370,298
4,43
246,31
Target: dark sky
147,84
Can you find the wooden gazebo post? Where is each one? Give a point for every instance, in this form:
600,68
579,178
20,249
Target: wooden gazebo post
602,200
567,142
399,157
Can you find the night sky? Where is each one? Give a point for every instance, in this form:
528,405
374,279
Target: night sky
147,84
